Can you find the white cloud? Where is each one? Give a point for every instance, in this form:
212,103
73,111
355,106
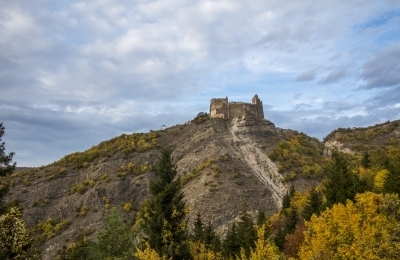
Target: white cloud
104,64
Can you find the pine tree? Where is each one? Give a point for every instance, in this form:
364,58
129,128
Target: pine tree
246,232
287,197
198,230
392,180
288,227
341,184
114,241
365,160
6,165
165,213
231,246
313,204
261,217
211,239
6,168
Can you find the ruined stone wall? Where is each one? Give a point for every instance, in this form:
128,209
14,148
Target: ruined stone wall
254,111
219,108
237,109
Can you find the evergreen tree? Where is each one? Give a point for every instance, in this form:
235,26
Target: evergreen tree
6,168
246,232
6,165
231,246
211,239
288,227
114,241
365,160
313,204
164,218
261,217
392,180
198,230
287,197
341,184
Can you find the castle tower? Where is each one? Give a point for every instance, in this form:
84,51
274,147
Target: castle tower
255,100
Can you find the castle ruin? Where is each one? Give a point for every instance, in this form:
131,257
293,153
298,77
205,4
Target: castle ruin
221,108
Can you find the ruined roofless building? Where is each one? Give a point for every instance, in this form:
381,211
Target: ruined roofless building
221,108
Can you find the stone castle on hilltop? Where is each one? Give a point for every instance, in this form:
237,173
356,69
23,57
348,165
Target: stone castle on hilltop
221,108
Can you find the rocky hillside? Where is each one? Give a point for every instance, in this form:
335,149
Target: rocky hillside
225,166
352,140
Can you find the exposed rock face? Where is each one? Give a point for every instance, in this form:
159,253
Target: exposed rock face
223,164
333,144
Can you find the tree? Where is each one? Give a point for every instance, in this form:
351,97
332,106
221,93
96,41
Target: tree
231,246
392,179
341,184
365,229
365,161
6,168
291,219
6,165
246,232
198,230
164,215
313,204
264,247
15,242
114,241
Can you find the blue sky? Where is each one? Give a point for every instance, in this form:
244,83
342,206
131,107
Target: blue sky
75,73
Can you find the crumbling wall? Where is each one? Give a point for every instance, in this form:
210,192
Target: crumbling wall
237,109
219,108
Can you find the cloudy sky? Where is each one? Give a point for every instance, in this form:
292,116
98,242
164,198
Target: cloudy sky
74,73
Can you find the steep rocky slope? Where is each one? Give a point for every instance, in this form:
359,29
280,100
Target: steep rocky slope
224,166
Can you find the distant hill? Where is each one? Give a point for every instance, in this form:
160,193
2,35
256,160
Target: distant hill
225,166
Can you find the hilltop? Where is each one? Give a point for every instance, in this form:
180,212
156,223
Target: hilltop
225,166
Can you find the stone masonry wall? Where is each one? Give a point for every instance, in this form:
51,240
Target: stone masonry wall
221,108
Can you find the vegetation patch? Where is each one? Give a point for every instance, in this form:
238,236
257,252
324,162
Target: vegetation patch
50,228
81,187
126,144
299,155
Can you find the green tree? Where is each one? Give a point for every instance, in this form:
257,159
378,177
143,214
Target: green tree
6,165
288,197
231,245
115,241
15,242
198,230
341,184
289,225
365,161
164,215
392,179
211,239
313,204
6,168
246,232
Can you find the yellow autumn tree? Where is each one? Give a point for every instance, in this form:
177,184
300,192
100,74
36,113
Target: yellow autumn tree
366,229
265,249
379,180
148,254
199,251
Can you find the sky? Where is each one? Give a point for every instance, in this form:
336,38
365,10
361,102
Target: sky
75,73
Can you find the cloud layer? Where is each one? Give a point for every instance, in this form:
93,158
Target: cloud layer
75,73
